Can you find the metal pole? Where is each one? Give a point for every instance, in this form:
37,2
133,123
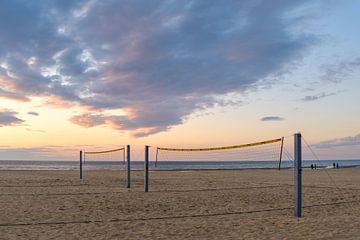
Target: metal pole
297,174
156,157
281,151
146,169
124,156
81,165
128,166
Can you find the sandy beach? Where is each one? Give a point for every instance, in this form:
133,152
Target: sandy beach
218,204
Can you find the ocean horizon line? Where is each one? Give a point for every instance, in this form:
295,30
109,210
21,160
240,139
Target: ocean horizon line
169,165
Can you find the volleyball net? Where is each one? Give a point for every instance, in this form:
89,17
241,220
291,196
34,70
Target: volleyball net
117,155
113,159
266,154
263,154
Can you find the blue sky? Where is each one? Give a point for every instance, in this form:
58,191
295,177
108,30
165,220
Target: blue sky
146,71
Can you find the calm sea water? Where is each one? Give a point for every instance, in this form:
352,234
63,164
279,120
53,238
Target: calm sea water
168,165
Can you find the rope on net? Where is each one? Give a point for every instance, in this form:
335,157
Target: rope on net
214,153
339,190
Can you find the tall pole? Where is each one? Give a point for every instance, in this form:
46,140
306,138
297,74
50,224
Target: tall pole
128,166
81,165
297,174
156,156
281,151
146,169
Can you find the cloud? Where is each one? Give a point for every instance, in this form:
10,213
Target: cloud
88,120
13,96
35,130
38,153
337,72
161,62
272,118
33,113
8,118
317,97
340,142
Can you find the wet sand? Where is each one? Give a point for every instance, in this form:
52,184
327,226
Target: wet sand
220,204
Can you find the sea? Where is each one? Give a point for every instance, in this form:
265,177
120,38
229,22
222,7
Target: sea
168,165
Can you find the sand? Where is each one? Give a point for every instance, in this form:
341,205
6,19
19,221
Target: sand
221,204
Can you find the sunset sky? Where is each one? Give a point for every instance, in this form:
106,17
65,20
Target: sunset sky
96,74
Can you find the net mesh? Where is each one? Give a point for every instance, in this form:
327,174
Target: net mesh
113,155
270,151
113,159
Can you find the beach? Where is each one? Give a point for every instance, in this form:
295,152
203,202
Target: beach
201,204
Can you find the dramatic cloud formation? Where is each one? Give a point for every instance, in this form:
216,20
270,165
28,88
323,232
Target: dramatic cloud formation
341,142
7,118
272,118
159,61
317,97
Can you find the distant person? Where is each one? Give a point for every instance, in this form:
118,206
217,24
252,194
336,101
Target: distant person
337,165
312,166
333,164
315,166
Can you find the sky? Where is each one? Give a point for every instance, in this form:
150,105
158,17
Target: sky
98,74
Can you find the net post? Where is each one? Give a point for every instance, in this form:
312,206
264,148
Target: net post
128,166
281,151
81,164
146,169
297,174
156,156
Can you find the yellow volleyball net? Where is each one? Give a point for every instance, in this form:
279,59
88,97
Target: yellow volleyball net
111,159
262,154
187,169
112,155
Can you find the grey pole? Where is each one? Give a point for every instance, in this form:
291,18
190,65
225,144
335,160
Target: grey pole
128,166
146,169
281,152
81,165
297,174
